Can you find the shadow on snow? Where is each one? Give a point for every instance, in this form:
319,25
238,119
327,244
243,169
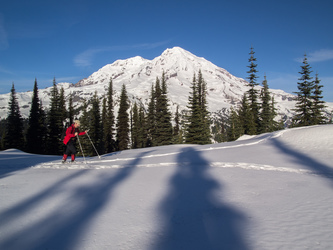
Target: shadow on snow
62,230
193,217
305,160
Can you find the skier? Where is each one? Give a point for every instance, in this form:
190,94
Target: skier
70,140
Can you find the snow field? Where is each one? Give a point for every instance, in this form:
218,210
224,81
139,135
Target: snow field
272,191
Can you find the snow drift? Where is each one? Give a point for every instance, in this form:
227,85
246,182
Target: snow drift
271,191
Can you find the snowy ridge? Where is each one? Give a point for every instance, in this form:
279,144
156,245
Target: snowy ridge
138,75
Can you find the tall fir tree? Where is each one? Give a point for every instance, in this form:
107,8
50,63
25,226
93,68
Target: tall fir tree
123,121
252,92
177,132
318,103
103,125
85,125
192,135
235,129
151,118
109,143
204,114
267,114
13,137
304,105
135,127
36,127
95,126
71,111
163,133
246,117
55,123
143,130
198,130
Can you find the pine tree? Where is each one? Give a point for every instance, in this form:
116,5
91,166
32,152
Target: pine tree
143,130
151,119
95,131
13,137
36,128
246,117
204,114
177,133
62,107
252,92
163,133
198,127
192,135
135,128
109,143
267,114
85,125
304,105
55,123
235,129
123,121
318,104
70,110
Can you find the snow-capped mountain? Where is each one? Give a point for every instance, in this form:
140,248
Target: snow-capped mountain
138,75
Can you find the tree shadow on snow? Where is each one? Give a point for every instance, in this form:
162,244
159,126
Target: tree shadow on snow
15,160
305,160
193,217
61,229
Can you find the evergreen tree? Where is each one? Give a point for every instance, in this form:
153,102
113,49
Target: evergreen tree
304,105
36,127
70,110
318,104
198,127
55,123
192,135
267,114
95,128
85,121
135,128
177,133
143,134
151,118
204,114
235,127
123,121
13,137
252,92
163,132
62,107
109,143
246,117
103,125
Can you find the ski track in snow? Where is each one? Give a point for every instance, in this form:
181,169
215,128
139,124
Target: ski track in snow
98,164
59,165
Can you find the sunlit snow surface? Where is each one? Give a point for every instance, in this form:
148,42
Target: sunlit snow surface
271,191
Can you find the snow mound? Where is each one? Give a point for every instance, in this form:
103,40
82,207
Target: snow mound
270,191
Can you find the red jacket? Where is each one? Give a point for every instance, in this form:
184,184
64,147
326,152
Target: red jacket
70,133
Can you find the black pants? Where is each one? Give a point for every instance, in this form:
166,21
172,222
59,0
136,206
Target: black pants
70,149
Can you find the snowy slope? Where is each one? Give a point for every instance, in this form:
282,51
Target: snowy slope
138,74
272,191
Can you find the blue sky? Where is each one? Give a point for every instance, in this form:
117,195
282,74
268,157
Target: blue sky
70,40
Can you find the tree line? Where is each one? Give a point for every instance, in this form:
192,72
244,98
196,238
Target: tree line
137,126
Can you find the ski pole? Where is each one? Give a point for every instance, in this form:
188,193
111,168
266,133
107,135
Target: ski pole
93,145
84,158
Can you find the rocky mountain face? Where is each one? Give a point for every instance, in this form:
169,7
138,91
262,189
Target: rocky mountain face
138,75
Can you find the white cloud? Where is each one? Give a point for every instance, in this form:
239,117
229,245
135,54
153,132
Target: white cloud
318,56
85,58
